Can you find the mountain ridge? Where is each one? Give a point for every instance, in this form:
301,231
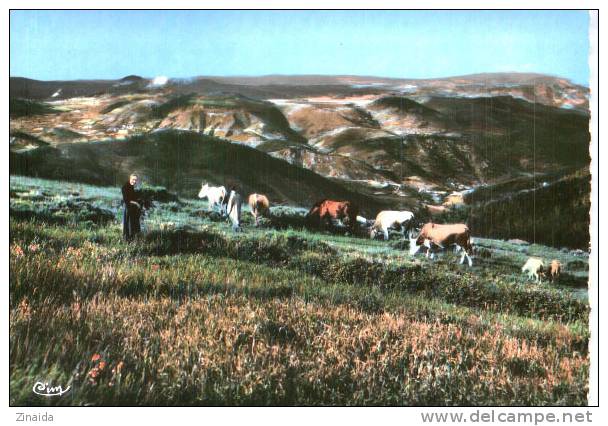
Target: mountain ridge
416,146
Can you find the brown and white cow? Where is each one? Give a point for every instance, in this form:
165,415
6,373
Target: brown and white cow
259,206
441,236
327,210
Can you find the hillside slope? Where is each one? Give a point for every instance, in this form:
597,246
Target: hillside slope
180,161
555,213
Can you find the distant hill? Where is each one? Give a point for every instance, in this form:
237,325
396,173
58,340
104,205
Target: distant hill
511,134
307,80
368,133
545,89
180,161
132,79
25,88
25,108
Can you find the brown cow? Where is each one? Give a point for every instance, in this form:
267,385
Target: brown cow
326,210
434,235
259,206
555,269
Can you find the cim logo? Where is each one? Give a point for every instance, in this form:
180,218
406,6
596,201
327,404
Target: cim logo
43,389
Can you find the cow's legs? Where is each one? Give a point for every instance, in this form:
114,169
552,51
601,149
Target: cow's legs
464,253
323,222
433,250
427,244
385,231
430,249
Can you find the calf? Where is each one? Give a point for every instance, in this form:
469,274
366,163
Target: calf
555,270
259,206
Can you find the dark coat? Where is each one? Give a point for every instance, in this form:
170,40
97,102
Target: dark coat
132,213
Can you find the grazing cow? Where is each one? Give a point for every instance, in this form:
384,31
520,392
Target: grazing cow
233,209
391,219
435,236
534,266
259,206
216,196
555,269
327,210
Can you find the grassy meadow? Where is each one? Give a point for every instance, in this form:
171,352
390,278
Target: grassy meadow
194,314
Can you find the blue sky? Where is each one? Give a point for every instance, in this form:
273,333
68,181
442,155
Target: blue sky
55,45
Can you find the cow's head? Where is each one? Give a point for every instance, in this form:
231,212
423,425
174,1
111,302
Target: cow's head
415,246
350,211
313,217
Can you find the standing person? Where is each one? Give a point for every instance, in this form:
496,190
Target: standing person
233,209
130,218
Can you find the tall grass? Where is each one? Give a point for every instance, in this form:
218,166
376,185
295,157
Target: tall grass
202,316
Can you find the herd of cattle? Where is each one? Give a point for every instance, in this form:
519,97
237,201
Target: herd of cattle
431,238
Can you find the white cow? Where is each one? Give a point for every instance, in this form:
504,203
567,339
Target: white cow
233,209
216,196
535,267
391,219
